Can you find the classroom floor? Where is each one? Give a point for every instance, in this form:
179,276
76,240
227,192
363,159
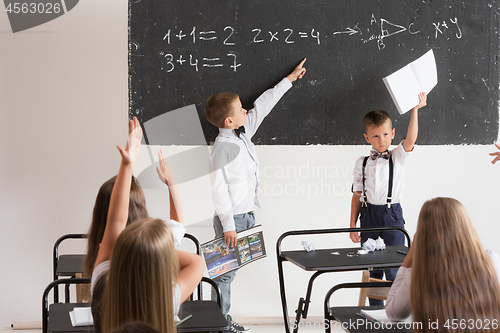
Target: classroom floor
255,329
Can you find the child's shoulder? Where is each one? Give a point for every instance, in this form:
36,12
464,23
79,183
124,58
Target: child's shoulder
225,147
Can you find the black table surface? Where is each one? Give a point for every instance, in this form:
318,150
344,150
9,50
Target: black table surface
70,264
347,259
207,316
351,322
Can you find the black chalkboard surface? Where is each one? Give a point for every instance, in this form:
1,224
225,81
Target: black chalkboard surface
181,52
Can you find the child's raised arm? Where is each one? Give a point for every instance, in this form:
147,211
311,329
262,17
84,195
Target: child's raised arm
411,135
120,196
167,177
496,154
298,72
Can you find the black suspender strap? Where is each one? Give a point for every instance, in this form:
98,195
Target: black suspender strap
365,201
391,172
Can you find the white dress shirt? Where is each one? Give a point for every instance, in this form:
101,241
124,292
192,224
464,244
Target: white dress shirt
234,163
377,177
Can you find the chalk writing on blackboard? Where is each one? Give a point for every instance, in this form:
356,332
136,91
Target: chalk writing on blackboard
179,37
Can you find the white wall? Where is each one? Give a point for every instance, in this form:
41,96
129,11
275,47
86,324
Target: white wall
63,100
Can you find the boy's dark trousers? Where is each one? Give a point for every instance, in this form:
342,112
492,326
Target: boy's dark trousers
382,216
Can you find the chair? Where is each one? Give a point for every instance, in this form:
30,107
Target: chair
67,265
351,311
55,317
376,293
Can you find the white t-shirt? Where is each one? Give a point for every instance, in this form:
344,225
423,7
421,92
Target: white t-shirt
398,306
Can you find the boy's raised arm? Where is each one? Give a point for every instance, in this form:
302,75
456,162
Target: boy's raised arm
411,135
120,196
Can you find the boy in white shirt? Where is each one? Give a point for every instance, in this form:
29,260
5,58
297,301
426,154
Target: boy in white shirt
379,182
234,166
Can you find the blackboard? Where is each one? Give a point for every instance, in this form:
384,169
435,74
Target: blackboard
181,52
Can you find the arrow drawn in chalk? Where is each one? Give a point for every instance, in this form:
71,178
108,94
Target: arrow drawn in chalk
349,31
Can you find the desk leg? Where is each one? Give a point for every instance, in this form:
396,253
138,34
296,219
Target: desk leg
283,295
299,312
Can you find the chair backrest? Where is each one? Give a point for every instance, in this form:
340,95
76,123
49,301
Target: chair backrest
70,259
45,300
373,292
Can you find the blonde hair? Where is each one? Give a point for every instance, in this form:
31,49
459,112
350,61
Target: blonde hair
452,276
143,272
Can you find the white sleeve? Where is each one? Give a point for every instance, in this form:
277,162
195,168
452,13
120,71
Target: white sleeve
264,104
177,302
220,188
495,259
178,231
398,306
357,175
98,272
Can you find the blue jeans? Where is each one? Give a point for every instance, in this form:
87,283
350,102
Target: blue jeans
382,216
241,222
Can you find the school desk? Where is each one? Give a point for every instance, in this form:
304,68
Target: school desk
324,261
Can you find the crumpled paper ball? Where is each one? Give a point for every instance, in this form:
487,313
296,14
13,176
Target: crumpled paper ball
372,245
308,246
369,245
379,244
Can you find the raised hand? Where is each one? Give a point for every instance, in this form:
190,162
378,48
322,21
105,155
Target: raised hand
164,172
422,100
131,151
298,72
496,154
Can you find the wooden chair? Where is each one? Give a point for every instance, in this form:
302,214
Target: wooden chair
373,292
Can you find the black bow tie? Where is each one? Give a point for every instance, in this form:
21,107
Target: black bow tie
239,130
376,154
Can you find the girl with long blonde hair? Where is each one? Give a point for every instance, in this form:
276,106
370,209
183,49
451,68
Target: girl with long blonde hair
448,282
148,278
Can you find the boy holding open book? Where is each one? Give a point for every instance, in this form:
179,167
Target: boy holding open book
379,182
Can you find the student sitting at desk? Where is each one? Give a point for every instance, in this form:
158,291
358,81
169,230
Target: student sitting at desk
147,278
447,274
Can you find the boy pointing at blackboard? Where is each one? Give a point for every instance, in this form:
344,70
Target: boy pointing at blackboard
379,181
234,166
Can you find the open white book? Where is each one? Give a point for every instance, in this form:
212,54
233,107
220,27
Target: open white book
405,84
81,316
380,316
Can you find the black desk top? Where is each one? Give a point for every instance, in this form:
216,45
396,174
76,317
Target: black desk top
207,316
324,260
60,322
70,264
353,323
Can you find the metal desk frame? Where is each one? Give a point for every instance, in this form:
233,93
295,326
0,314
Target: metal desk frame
303,305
